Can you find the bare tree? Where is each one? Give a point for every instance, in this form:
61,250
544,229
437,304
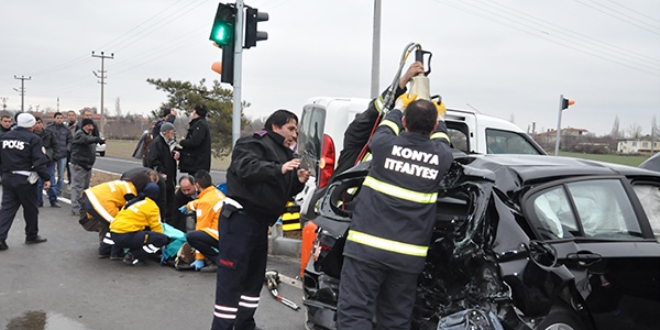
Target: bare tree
616,132
654,133
635,131
118,108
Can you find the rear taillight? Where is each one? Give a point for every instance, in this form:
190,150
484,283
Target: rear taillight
327,161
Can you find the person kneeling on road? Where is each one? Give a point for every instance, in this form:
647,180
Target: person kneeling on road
101,204
207,206
129,228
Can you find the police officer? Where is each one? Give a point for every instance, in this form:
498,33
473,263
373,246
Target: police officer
21,155
262,176
393,220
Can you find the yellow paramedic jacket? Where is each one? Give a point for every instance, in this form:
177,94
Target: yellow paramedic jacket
207,208
108,198
138,217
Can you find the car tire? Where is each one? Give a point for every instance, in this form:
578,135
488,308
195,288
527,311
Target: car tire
102,153
561,317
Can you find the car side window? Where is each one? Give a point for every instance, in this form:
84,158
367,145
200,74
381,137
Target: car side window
554,212
597,208
649,197
505,142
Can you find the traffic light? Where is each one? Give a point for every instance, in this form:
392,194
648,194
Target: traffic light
222,32
565,103
252,17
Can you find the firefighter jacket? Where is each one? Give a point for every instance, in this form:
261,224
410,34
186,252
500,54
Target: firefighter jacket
255,179
49,143
22,150
138,217
109,197
83,149
359,130
395,212
207,209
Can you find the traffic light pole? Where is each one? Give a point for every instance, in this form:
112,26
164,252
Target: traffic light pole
238,79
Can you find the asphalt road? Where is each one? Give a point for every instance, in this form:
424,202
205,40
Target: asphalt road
62,285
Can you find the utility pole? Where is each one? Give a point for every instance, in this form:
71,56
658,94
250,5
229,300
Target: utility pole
237,105
22,90
101,75
375,51
4,103
563,105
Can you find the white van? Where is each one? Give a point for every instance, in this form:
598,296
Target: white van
324,120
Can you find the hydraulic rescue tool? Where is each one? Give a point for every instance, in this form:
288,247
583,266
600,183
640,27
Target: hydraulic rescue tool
418,85
272,280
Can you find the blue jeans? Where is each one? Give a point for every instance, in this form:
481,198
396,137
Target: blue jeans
52,196
61,167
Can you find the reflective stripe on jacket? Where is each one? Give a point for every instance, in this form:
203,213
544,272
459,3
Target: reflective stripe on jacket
109,197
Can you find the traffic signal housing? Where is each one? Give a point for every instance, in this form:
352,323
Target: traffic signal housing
223,29
252,17
223,35
565,103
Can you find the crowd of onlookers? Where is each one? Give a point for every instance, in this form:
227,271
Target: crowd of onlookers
70,146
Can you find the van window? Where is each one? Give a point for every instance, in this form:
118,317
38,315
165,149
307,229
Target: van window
310,136
507,142
458,136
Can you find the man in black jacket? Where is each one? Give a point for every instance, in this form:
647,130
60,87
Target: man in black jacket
196,147
52,148
83,157
21,156
262,176
161,157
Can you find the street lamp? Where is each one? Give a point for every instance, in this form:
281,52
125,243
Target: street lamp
563,105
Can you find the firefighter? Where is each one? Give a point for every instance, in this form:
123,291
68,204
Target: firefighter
391,229
101,204
207,206
262,176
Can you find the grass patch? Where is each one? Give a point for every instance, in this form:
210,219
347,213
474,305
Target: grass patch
609,158
125,148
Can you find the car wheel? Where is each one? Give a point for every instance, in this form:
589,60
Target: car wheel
561,318
102,153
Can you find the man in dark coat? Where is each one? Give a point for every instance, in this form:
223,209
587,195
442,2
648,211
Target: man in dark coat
196,147
83,156
161,157
51,146
262,176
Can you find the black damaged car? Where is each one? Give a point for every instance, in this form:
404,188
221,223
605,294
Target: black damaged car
520,242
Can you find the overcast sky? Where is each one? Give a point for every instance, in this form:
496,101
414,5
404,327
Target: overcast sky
508,58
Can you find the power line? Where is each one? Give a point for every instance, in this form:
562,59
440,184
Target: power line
619,17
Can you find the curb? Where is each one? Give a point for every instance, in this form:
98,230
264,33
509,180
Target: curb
280,245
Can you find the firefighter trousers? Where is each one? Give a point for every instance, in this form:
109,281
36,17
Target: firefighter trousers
367,290
243,251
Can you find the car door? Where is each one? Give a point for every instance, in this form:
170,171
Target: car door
602,235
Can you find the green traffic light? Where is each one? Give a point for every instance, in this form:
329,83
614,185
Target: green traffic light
222,31
222,35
